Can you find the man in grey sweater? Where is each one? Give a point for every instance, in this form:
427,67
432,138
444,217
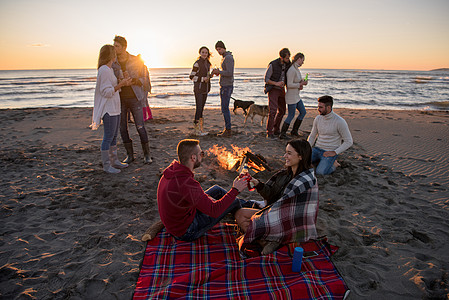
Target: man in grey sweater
226,84
328,132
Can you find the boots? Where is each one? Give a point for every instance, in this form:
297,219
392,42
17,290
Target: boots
107,163
146,153
129,152
114,159
202,133
196,129
283,135
296,127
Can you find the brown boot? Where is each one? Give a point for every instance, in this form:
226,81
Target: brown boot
296,127
146,153
129,152
202,133
283,135
225,133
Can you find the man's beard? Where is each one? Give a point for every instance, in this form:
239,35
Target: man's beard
197,164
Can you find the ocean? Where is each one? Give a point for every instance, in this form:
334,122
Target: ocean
362,89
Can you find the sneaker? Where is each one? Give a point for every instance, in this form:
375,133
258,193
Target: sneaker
225,133
270,136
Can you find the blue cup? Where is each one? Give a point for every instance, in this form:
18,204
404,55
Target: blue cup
297,259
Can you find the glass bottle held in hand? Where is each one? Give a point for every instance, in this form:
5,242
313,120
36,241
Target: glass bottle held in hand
245,174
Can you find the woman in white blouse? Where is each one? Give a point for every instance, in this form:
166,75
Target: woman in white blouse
295,83
107,108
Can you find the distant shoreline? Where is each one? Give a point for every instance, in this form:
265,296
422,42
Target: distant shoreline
189,67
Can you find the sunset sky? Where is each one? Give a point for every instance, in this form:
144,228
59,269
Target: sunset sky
347,34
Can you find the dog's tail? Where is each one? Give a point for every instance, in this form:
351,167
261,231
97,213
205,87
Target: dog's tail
235,99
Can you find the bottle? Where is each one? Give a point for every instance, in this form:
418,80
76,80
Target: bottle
307,77
245,174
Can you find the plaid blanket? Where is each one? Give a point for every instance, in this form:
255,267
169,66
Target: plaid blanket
292,218
211,268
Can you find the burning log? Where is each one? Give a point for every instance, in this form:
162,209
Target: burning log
232,160
254,161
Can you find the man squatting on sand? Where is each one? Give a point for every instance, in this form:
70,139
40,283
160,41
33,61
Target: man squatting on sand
275,78
186,210
328,131
226,84
132,97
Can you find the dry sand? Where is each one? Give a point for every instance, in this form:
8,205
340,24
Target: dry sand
71,231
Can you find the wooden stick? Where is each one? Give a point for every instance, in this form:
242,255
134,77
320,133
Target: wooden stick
152,231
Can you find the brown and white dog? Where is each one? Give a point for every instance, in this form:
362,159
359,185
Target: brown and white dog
255,109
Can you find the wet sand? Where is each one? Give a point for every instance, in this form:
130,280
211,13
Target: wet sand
71,231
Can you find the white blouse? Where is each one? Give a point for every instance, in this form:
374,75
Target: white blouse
106,99
293,79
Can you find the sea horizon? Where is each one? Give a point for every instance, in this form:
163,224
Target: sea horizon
351,88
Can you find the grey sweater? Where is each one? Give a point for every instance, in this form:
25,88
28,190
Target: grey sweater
227,70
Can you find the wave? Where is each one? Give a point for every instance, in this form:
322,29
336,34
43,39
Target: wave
439,104
167,95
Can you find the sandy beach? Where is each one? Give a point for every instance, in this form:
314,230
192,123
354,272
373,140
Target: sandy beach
71,231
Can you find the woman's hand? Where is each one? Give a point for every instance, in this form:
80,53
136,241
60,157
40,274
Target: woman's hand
125,82
122,83
240,183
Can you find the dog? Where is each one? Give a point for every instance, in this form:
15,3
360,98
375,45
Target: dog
255,109
242,104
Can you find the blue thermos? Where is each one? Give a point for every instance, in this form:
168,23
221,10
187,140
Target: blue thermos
297,259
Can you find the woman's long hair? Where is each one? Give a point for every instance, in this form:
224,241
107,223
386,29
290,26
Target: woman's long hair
208,56
303,148
297,56
107,52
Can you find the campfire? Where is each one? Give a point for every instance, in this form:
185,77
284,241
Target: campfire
232,159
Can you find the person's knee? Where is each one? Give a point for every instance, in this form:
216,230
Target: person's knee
324,168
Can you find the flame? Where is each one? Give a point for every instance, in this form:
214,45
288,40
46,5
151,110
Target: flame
227,158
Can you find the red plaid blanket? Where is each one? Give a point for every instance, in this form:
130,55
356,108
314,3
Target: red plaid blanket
211,268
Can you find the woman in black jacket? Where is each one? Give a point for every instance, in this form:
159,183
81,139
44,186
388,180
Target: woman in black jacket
201,86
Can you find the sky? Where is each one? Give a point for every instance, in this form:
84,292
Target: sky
346,34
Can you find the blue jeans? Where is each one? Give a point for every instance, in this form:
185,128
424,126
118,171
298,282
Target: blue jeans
291,111
325,164
225,96
202,222
135,107
111,126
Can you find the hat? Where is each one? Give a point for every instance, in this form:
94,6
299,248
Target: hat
220,44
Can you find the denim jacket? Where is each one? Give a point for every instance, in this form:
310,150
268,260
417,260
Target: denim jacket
136,69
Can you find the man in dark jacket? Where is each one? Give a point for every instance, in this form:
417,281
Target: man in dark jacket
187,211
275,79
132,97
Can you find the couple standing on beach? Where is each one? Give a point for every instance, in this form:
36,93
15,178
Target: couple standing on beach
201,76
123,84
282,73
